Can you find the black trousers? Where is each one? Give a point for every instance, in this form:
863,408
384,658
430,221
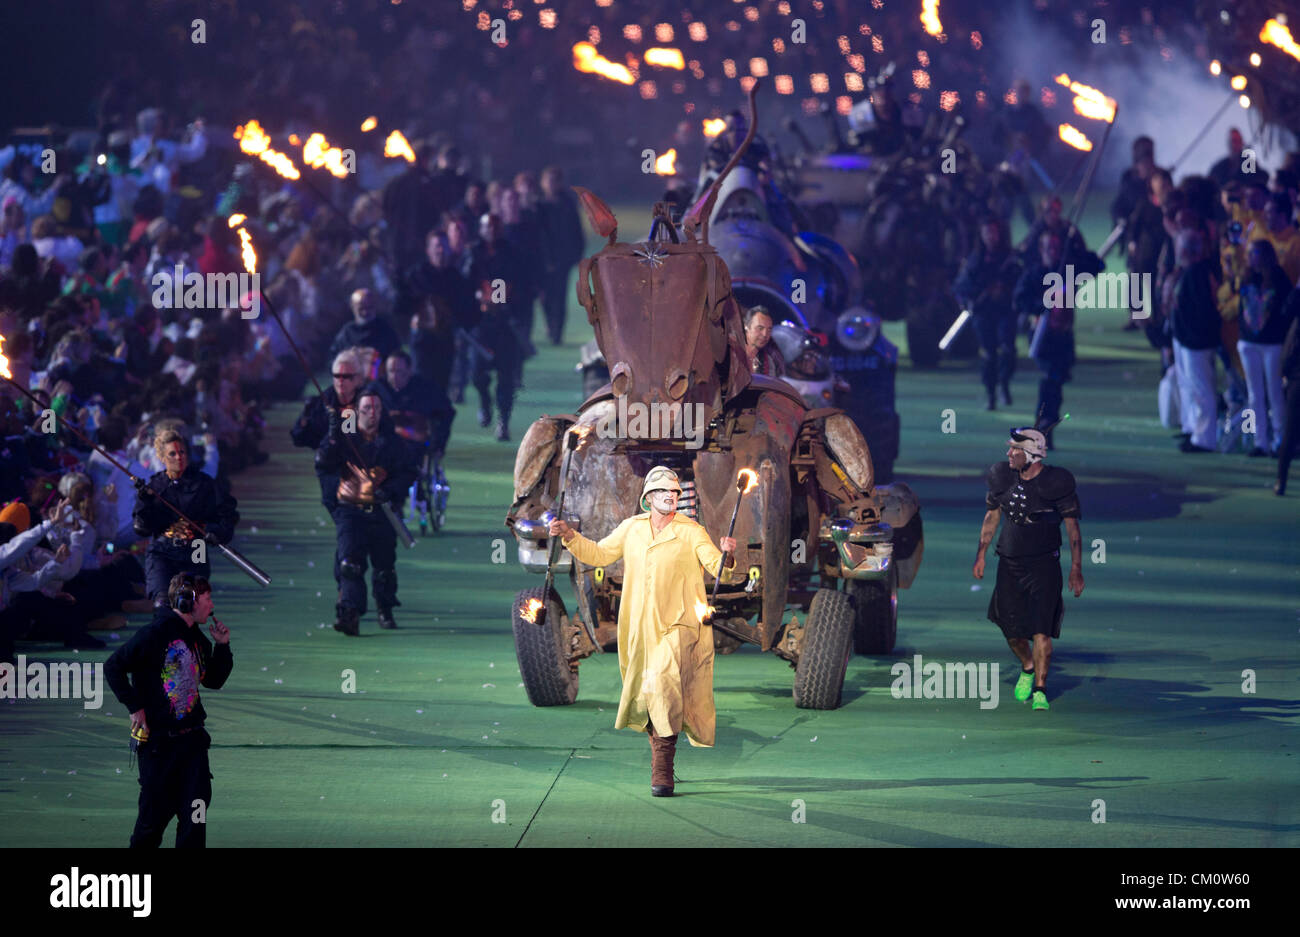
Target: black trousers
555,288
1290,429
997,338
364,535
173,775
163,561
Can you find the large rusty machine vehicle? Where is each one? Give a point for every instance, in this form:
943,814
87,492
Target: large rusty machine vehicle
815,533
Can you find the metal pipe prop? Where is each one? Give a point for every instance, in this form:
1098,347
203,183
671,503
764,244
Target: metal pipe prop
1204,130
954,330
261,578
1112,239
572,438
745,482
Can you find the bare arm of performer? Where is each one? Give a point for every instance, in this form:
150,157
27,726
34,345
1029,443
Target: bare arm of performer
1076,555
987,530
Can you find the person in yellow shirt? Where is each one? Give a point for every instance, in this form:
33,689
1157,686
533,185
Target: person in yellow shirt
665,645
1283,235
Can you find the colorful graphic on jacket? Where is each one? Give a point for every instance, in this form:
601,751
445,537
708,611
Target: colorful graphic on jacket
181,674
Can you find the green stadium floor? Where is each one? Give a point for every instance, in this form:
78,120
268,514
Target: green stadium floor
1148,711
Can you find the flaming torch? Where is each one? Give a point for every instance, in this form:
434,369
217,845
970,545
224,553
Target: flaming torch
528,611
1075,137
930,17
746,482
572,440
396,145
1276,33
231,554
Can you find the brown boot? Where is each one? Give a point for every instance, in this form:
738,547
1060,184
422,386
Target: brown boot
662,750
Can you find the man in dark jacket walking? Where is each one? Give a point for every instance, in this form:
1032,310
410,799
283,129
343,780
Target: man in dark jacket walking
984,286
563,242
386,470
156,675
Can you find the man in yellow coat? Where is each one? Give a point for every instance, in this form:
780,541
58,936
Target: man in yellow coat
665,649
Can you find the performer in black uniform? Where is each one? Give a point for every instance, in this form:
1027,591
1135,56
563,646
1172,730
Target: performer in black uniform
363,530
175,546
309,430
1026,601
167,660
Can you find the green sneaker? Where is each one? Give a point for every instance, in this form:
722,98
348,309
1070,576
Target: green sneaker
1040,700
1024,686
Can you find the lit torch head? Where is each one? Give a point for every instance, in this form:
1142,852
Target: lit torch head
577,436
236,220
703,610
746,481
666,165
396,145
528,612
1075,137
714,126
246,251
369,124
4,362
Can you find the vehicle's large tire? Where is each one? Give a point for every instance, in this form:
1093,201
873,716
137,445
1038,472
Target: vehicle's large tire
827,646
875,619
543,652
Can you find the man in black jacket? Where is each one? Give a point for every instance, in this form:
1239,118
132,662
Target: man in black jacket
177,547
985,286
166,661
366,328
386,470
313,423
563,242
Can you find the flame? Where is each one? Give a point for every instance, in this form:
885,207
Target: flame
236,220
1088,101
666,165
1238,83
293,139
751,480
530,609
252,138
587,59
1277,34
1075,137
280,163
665,58
246,251
582,432
930,17
369,124
714,126
317,153
4,362
396,145
703,610
254,141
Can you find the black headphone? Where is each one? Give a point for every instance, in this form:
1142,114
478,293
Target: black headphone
185,595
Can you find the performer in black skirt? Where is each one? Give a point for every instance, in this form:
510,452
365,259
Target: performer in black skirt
1026,601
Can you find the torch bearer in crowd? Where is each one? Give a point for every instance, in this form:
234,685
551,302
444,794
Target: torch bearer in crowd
230,553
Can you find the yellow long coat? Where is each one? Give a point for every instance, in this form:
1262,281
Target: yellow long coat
665,653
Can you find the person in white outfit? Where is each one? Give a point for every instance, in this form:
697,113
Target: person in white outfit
1264,323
